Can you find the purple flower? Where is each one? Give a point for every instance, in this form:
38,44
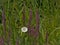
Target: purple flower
29,22
3,20
17,42
1,41
4,24
37,23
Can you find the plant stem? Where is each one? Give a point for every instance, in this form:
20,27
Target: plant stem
23,17
46,37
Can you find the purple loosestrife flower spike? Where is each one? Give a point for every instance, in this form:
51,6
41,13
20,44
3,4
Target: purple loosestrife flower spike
4,23
32,32
3,20
17,42
36,31
37,22
30,18
1,41
9,35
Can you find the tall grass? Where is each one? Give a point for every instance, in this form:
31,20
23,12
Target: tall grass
42,17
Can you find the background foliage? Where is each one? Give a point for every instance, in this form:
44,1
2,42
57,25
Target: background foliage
49,23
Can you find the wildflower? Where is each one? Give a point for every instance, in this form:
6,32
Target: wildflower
24,29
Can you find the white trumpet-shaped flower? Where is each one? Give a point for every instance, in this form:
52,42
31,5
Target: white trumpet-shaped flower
24,29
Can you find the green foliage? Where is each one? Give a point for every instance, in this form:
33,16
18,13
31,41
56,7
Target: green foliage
49,12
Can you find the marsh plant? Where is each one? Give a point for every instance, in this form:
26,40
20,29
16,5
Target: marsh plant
29,22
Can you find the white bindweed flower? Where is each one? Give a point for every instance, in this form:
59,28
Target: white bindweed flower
24,29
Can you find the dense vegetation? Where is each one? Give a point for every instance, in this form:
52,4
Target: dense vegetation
42,17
